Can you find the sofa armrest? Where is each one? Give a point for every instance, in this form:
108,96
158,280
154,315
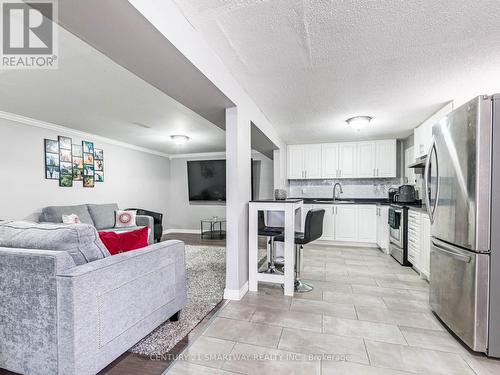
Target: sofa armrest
28,309
108,305
147,221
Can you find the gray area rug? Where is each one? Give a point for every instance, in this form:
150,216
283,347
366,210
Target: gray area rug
206,279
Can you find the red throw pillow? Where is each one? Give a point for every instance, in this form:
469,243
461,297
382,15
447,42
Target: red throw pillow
120,242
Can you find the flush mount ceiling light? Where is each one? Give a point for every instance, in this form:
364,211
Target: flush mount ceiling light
359,122
179,139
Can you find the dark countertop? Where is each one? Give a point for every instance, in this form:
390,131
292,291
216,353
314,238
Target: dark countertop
382,201
290,200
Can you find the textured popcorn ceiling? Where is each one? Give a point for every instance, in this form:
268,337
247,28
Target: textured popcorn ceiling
311,64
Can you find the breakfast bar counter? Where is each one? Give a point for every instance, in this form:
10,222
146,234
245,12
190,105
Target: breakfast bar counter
290,207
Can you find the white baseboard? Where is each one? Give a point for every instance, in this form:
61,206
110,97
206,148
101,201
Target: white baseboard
235,294
172,230
347,244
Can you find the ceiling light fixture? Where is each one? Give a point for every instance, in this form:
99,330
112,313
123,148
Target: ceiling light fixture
179,139
359,122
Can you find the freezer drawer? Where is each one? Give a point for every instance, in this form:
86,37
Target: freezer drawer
459,283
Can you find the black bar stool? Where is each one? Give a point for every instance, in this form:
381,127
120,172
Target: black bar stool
271,233
313,229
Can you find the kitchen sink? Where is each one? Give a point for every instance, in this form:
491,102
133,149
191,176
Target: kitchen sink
334,202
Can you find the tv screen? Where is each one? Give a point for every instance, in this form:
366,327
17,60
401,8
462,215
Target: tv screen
207,180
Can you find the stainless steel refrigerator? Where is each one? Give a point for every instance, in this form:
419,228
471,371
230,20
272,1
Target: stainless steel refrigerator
462,182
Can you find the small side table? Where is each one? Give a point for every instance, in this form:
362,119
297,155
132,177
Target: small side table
216,228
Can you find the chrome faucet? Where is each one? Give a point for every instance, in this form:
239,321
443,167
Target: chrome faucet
335,189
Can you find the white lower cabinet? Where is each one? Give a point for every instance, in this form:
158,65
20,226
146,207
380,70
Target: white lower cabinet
346,222
414,237
328,222
383,227
367,223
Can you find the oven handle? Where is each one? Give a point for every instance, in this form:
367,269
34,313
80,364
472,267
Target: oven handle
448,250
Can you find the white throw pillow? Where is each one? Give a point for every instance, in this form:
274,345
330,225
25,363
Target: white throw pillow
71,219
125,219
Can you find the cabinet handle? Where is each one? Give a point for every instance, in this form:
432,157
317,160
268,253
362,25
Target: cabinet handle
374,172
340,172
305,174
377,172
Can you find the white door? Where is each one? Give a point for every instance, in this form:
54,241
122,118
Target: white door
425,253
328,222
295,162
366,159
385,160
346,222
367,223
347,160
312,161
330,162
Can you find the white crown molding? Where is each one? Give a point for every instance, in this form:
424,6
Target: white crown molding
59,128
198,155
205,155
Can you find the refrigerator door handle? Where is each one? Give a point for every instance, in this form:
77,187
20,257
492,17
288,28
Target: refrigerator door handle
431,211
448,250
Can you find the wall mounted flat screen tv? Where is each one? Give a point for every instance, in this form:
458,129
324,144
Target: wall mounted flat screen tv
207,180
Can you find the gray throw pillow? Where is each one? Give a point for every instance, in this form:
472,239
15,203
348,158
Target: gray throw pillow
81,241
103,215
53,214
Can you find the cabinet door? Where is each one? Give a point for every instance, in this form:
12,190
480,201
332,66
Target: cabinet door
385,159
330,162
328,222
295,162
367,223
409,172
347,160
418,146
425,253
383,228
346,222
312,161
366,159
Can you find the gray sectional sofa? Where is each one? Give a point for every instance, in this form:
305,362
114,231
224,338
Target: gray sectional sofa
68,307
101,216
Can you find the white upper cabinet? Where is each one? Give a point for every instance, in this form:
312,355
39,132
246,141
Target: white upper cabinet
347,160
312,161
330,156
423,133
295,162
366,159
385,158
342,160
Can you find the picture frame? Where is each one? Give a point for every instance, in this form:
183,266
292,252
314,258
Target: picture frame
99,176
77,174
98,154
77,150
88,181
66,180
88,147
51,146
52,160
99,165
88,170
64,143
88,158
66,168
51,172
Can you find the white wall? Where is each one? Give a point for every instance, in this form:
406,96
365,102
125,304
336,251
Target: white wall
185,215
132,178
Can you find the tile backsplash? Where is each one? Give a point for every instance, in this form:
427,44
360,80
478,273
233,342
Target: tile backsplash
355,188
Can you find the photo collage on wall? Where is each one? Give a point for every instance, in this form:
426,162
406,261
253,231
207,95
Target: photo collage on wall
68,162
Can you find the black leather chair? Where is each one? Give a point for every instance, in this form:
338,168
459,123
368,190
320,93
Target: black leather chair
157,220
269,232
313,229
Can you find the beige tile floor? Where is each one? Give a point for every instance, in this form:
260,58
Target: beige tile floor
366,315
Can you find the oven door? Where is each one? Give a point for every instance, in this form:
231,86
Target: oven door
396,234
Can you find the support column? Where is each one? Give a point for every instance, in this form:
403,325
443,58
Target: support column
238,193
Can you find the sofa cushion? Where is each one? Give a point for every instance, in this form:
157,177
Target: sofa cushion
53,214
125,241
81,241
103,215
